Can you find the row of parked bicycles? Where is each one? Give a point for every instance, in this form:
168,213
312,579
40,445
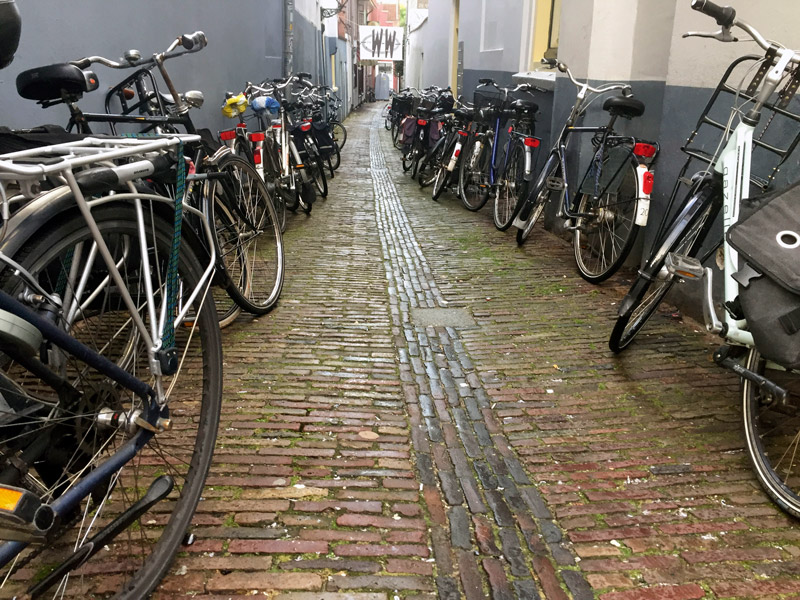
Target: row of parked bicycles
127,239
747,131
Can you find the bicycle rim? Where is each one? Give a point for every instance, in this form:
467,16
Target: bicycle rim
255,242
772,431
603,241
648,300
138,557
507,200
538,199
472,179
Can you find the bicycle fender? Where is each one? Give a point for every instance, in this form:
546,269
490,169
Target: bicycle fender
49,207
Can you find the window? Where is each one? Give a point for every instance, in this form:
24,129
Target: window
546,25
491,28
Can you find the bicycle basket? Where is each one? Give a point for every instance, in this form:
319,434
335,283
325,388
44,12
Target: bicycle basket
403,105
488,97
768,239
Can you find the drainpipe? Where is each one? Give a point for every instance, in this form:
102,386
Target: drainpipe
288,38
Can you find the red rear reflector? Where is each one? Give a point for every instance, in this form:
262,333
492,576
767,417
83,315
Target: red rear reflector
532,142
307,120
305,127
644,150
241,126
464,133
510,129
647,184
421,122
227,136
256,137
257,158
458,152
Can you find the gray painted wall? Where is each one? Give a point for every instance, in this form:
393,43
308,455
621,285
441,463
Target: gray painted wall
245,44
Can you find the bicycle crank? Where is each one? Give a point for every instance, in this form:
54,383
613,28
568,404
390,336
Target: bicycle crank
159,489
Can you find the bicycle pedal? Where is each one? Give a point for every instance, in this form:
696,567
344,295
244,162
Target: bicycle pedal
684,266
23,516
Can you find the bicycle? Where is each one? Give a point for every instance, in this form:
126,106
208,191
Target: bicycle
445,158
758,302
481,172
612,200
111,401
249,246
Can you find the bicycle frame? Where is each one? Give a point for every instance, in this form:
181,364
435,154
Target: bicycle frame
734,165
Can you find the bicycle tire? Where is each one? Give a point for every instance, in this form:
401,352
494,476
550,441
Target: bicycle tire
194,402
684,237
339,133
443,175
408,160
770,425
602,244
512,192
316,172
227,308
255,239
429,165
396,135
473,175
306,196
538,198
336,157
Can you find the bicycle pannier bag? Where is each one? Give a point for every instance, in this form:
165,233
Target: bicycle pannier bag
767,238
323,138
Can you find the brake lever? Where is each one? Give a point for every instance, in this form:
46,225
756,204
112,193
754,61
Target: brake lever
723,35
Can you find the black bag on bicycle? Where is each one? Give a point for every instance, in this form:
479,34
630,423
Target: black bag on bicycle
767,237
323,138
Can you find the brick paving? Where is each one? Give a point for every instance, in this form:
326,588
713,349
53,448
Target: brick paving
432,412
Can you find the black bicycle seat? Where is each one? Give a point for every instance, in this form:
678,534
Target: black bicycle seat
52,82
624,107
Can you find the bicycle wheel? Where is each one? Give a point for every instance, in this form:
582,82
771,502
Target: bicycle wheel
335,158
538,198
252,239
396,135
60,437
473,174
443,176
227,308
306,196
339,133
603,241
512,190
316,172
653,282
770,428
430,164
409,159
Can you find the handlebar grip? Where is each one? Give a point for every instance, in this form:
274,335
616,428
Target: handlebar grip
190,40
725,16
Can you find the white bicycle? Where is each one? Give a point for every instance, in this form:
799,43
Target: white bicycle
758,252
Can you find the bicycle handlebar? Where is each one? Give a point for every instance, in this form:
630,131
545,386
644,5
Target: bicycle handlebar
725,16
609,87
191,43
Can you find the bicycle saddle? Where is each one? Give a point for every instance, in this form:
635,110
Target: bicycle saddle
624,107
466,114
52,82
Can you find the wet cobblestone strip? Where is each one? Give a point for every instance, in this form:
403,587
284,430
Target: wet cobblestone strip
490,528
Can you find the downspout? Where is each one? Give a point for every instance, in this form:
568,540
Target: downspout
288,38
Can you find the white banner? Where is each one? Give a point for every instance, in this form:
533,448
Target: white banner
380,43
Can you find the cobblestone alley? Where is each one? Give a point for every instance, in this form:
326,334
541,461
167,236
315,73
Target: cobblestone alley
432,412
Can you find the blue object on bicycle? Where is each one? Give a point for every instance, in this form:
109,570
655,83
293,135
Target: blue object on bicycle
265,103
